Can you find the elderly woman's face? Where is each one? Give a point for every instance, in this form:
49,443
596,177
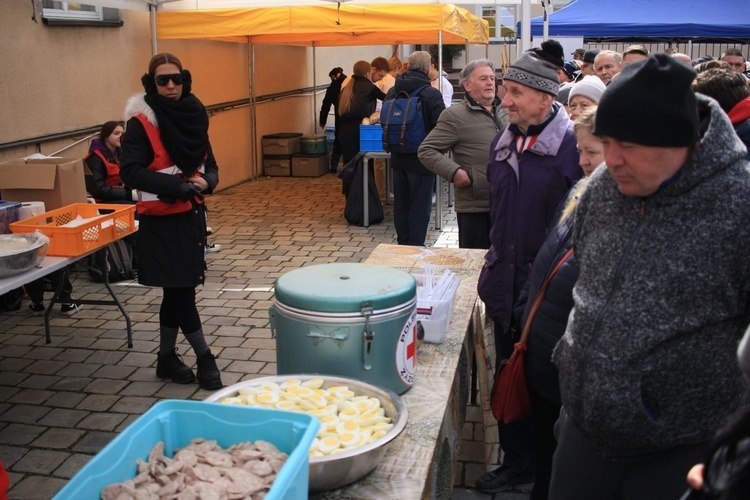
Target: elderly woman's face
168,79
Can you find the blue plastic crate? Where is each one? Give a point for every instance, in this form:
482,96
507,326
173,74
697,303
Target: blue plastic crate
177,422
371,138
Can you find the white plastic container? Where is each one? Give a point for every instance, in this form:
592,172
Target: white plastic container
435,315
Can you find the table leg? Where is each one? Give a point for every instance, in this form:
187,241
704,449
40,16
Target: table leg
51,305
439,202
365,190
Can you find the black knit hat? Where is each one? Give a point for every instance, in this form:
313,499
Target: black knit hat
537,68
650,103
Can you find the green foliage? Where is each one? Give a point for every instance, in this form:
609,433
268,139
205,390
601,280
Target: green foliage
449,52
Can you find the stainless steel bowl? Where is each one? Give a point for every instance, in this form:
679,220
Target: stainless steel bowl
18,261
334,471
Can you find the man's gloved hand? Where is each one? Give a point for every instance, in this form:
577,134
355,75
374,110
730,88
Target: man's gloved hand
188,191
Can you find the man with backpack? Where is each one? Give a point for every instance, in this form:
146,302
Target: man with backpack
412,182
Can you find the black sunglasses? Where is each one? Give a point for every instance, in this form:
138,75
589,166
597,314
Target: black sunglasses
163,80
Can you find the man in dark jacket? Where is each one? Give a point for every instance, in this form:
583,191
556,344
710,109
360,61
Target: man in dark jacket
412,182
532,164
647,363
332,98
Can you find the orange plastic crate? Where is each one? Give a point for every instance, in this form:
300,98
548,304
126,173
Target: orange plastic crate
97,230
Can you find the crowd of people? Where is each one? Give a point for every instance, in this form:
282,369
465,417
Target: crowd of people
626,173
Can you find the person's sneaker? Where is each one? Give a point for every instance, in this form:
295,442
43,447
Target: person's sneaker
212,247
209,231
503,478
171,366
36,309
69,309
209,377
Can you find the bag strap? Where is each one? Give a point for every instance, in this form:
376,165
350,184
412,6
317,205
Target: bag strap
537,303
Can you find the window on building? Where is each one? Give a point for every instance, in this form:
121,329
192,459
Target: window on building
502,22
80,14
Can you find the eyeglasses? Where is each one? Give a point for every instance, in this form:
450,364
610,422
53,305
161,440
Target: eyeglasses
163,80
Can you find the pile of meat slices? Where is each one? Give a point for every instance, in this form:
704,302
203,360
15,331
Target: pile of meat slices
203,471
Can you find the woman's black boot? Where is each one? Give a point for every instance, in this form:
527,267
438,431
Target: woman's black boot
171,366
209,377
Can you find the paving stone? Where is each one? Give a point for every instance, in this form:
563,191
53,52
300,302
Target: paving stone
93,442
71,384
63,417
97,402
31,396
57,438
118,372
36,487
72,465
106,386
11,454
20,434
102,421
133,404
24,413
39,381
7,392
65,399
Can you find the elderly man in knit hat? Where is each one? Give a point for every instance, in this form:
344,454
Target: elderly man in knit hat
647,364
533,163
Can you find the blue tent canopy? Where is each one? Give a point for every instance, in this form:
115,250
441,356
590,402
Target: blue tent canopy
647,19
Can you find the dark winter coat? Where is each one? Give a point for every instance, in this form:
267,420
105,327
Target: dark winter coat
363,105
648,361
332,99
524,210
432,106
552,317
171,249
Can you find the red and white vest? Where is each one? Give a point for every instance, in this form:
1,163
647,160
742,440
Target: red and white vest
149,203
113,170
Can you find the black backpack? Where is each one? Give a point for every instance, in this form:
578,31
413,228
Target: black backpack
119,263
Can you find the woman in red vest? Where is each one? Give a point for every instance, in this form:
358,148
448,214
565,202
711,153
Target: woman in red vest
104,183
167,157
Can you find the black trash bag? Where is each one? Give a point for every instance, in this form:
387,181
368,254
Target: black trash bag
352,177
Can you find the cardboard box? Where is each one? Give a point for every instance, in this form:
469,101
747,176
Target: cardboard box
277,165
282,144
55,181
309,165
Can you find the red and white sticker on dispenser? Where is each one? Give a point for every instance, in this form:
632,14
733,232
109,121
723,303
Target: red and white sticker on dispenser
406,351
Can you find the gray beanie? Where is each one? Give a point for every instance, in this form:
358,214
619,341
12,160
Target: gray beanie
536,69
589,86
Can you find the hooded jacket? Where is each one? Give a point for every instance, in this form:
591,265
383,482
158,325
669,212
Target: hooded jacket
104,183
466,130
648,362
432,106
523,207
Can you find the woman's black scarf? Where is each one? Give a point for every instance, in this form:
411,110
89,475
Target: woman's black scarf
183,126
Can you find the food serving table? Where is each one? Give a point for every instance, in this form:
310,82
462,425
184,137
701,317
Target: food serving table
420,462
51,264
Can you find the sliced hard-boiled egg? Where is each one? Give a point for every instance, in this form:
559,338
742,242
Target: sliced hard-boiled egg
314,383
267,398
349,439
289,383
233,401
346,426
328,422
349,413
247,390
269,387
327,444
286,405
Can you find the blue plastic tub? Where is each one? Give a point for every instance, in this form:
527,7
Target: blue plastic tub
177,422
371,138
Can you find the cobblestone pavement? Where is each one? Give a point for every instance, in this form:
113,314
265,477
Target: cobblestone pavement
60,403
